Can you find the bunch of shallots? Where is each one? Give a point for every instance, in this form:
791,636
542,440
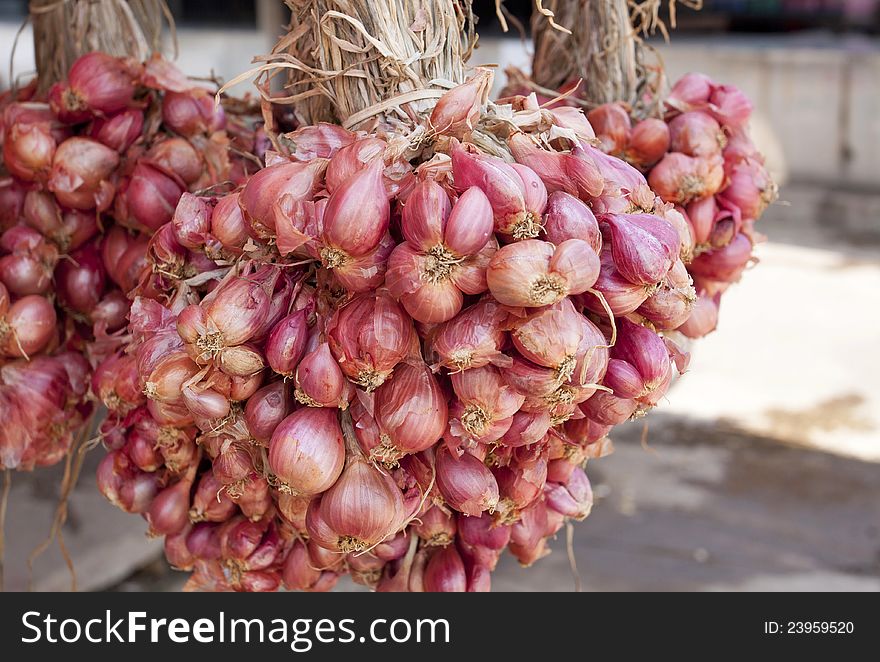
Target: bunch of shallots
702,160
86,177
393,364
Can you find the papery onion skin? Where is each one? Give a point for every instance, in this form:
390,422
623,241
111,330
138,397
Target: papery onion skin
357,213
27,326
566,217
445,572
411,409
363,508
287,342
369,337
307,452
465,483
535,273
265,409
80,171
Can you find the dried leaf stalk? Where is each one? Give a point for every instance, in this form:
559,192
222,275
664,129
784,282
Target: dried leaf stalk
65,29
604,48
363,62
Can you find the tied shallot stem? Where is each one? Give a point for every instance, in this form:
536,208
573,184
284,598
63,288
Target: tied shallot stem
4,500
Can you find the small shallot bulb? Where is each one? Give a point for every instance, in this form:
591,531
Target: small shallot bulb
265,409
681,178
644,246
485,405
534,273
266,187
547,164
690,91
411,412
671,304
362,508
191,221
368,337
210,501
436,527
165,382
118,131
97,84
228,225
149,198
458,110
192,112
462,231
429,273
205,403
724,264
80,174
573,498
466,484
696,134
581,167
27,326
751,189
729,105
233,464
422,285
445,572
176,552
644,350
307,451
177,158
648,142
169,512
28,149
623,378
319,380
321,140
299,574
393,548
586,431
622,295
516,208
527,428
287,342
551,337
527,534
473,338
566,217
356,217
124,485
29,266
231,315
352,159
520,483
703,317
80,280
612,125
111,311
483,538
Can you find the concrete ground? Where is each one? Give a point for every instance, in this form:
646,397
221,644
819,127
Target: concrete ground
760,472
